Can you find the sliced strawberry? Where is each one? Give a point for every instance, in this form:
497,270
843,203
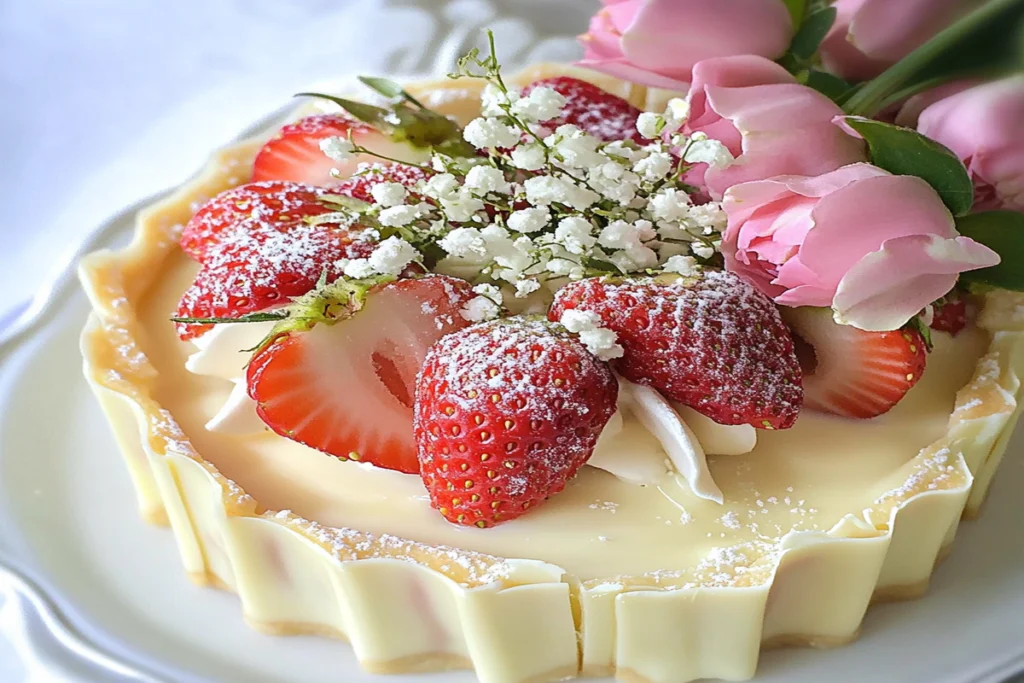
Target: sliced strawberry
256,209
850,372
252,271
369,175
347,388
596,111
294,153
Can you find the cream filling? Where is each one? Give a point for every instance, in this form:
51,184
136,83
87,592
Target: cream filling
217,355
805,478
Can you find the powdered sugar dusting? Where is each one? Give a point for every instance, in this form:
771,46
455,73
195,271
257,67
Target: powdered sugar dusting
596,111
347,545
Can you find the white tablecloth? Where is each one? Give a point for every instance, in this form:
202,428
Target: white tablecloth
105,101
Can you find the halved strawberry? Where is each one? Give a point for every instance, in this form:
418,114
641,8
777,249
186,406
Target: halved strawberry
370,175
346,386
260,271
595,111
850,372
294,153
256,209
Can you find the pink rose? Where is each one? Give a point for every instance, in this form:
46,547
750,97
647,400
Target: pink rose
869,36
875,247
657,42
769,122
983,126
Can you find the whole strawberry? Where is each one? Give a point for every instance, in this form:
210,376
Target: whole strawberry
598,112
506,413
710,341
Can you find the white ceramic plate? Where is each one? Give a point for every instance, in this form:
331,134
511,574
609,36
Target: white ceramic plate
90,593
103,596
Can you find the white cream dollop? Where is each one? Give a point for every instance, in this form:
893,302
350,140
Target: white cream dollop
221,353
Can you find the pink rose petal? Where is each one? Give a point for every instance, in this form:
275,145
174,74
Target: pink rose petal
887,287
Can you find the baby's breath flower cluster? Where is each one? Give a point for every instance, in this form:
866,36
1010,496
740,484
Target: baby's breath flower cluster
544,203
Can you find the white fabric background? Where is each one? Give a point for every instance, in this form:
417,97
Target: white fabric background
103,102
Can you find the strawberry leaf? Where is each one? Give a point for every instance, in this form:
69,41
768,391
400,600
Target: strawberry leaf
1003,233
389,89
375,116
903,151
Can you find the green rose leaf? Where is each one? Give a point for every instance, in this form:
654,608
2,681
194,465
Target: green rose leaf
1003,233
828,85
812,31
903,151
389,89
796,10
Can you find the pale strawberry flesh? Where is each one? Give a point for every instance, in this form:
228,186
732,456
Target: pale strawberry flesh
294,153
850,372
346,389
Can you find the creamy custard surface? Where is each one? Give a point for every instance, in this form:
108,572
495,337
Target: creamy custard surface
804,478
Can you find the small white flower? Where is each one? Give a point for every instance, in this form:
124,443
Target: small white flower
528,157
464,242
485,133
614,182
441,186
683,265
650,125
489,291
397,216
574,147
358,268
670,204
529,220
561,266
542,104
439,162
702,250
599,341
526,287
710,217
543,190
492,100
602,342
621,150
676,113
462,207
576,320
486,179
574,233
479,309
655,166
392,256
710,152
337,148
619,235
388,194
634,258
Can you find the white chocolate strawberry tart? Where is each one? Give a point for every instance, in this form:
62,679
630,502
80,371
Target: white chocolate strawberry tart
487,378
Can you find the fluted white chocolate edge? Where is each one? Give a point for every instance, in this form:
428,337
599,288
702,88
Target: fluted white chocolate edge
405,606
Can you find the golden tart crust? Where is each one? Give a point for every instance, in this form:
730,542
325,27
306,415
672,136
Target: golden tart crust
407,606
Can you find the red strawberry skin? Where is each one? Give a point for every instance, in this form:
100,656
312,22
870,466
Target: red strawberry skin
257,250
369,175
950,316
711,342
595,111
507,412
347,389
853,373
294,153
258,209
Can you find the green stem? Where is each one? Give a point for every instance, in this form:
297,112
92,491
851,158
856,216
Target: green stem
871,98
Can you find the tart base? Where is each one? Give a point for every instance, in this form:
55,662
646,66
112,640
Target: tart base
405,606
